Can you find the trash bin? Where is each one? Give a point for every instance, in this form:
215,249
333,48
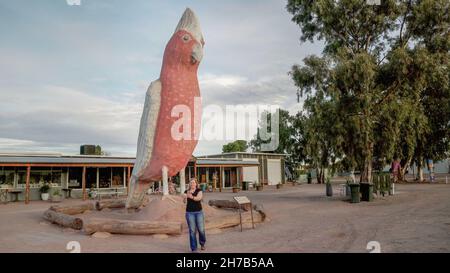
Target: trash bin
309,178
366,191
245,185
348,191
355,193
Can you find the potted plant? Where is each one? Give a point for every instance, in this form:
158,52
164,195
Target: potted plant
259,187
92,193
329,188
56,195
236,189
44,189
279,185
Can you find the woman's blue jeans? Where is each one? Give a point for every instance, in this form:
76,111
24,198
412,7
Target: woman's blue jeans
196,222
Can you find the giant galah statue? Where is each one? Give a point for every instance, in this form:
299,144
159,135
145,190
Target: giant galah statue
161,152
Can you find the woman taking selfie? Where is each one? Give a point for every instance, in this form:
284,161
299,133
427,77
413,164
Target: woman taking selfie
194,215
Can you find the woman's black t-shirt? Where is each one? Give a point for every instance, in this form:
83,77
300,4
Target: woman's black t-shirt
193,206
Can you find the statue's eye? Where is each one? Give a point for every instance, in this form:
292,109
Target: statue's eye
186,38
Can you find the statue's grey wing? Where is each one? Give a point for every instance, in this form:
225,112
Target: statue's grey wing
145,143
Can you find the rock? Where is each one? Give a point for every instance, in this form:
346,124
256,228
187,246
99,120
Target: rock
43,223
160,236
87,211
101,235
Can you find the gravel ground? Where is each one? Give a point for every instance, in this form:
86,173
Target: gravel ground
301,219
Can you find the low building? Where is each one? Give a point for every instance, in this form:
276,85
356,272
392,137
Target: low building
269,168
26,173
22,175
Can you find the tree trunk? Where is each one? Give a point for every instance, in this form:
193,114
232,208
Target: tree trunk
420,169
99,205
228,204
318,175
63,219
132,227
366,174
72,210
403,169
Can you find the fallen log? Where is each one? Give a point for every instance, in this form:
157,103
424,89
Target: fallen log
72,210
233,220
63,219
99,205
228,204
131,227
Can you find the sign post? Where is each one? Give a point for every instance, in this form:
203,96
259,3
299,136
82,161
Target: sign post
242,200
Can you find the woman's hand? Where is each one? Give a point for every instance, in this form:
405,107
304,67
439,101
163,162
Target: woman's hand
198,197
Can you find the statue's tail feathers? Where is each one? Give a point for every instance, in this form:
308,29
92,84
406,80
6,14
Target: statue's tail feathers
137,192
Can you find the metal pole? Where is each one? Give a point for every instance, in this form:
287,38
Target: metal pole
251,212
27,187
182,180
83,183
240,215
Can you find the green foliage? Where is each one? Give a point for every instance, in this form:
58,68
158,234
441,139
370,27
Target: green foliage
98,150
235,146
381,87
44,188
56,192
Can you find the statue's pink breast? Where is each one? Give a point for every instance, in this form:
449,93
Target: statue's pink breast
178,89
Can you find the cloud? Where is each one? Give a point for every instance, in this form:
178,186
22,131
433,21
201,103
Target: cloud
82,77
60,116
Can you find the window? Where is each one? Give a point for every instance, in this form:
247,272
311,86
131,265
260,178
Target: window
7,175
118,177
104,177
75,177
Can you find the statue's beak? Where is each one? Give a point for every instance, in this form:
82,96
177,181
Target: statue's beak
197,53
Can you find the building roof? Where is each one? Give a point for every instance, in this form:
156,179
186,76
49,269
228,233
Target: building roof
60,159
225,162
29,158
245,153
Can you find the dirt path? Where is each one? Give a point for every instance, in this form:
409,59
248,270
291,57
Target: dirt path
302,219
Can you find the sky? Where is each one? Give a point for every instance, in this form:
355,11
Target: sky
77,74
